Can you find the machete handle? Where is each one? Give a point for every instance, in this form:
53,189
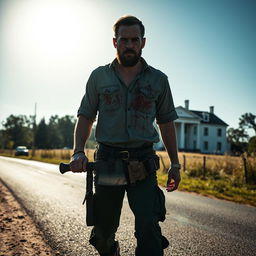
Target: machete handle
66,168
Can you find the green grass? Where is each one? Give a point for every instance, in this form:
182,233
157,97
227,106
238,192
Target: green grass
222,189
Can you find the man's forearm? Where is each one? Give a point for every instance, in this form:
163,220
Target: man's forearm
82,132
168,133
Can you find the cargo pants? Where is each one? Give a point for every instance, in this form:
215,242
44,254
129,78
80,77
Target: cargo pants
147,204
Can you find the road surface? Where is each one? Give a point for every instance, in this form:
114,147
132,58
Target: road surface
195,225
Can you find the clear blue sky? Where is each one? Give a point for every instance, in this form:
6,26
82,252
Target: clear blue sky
49,47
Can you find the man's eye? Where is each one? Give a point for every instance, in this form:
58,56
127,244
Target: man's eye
123,40
135,40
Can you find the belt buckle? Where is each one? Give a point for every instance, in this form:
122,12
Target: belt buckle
126,155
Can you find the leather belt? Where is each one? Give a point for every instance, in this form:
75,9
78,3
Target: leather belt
125,154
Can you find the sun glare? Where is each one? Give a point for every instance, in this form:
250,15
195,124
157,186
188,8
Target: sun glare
53,30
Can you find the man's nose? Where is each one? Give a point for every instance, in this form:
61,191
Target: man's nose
129,43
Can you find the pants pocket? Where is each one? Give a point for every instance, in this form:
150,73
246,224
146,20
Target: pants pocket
160,204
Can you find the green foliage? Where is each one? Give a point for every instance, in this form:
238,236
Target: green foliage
66,126
248,120
237,138
57,134
17,131
55,138
223,189
252,146
41,137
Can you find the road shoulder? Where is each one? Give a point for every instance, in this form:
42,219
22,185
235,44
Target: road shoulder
18,233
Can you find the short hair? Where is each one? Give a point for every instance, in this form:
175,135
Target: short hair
128,21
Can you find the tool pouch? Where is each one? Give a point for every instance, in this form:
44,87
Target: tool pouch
136,171
152,163
139,170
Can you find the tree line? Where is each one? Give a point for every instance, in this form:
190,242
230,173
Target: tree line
239,139
22,130
57,132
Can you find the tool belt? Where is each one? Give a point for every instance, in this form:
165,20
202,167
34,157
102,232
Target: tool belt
137,163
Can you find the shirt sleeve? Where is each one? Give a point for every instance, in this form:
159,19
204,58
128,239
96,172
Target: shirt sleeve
89,103
165,110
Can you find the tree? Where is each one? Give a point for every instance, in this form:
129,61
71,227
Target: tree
66,126
248,120
237,138
41,137
17,131
55,139
252,145
2,139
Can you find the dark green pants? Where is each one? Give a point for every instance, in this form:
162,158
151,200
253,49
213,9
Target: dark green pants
144,202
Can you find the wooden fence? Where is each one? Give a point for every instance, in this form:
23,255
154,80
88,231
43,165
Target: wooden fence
196,165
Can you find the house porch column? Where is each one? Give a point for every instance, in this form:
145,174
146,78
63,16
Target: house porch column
182,135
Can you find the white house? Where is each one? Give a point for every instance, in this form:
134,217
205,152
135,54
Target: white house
200,131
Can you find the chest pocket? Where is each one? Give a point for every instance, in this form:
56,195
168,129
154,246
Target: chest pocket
144,100
111,98
148,93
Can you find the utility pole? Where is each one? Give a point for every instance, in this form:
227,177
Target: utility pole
34,131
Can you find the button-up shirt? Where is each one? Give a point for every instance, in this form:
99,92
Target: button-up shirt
126,114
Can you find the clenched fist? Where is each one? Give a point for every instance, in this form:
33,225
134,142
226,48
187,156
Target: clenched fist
78,162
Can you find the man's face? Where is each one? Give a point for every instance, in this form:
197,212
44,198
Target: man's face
129,44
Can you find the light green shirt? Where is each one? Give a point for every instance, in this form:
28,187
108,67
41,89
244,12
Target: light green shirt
125,115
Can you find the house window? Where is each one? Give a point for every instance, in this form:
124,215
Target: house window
195,130
206,117
194,144
206,131
219,146
205,145
219,132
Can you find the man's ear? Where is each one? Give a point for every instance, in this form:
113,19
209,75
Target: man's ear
114,42
143,42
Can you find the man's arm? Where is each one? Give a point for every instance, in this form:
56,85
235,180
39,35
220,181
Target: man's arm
168,133
81,134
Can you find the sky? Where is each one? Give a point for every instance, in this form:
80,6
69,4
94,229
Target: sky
48,48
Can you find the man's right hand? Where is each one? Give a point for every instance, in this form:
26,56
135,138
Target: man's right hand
78,162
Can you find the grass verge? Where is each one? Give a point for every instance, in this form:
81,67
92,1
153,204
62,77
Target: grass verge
222,189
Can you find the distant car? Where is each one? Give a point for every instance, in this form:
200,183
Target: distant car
21,151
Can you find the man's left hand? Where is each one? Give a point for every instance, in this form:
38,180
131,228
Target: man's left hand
173,180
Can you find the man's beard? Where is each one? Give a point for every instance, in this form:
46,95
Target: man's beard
131,60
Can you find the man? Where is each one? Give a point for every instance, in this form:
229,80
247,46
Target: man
127,95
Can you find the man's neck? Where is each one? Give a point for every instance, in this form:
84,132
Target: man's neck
128,74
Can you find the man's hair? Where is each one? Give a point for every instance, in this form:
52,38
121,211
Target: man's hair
128,21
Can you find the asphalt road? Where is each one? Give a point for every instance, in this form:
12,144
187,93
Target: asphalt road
195,225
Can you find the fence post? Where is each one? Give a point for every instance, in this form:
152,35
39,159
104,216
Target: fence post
245,169
184,163
204,166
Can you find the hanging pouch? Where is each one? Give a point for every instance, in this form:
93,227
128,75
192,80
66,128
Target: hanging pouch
137,171
109,173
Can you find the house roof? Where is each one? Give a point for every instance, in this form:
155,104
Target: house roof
213,119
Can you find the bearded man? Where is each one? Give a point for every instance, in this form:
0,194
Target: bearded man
127,96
